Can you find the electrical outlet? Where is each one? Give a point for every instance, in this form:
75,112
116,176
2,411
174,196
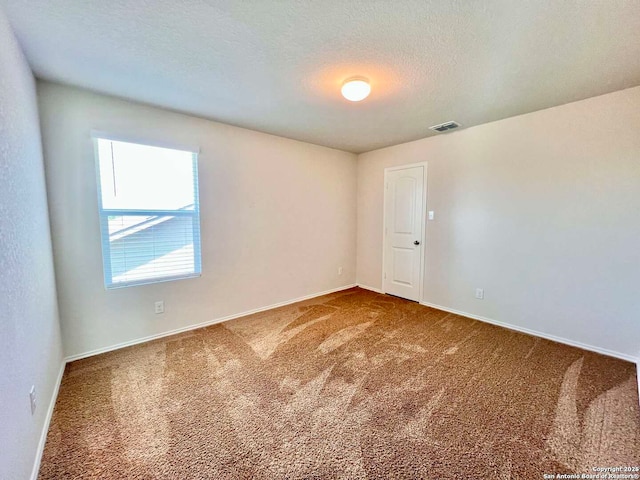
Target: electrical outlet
32,399
339,270
479,293
160,307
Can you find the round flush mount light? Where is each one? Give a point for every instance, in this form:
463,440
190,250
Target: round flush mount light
356,89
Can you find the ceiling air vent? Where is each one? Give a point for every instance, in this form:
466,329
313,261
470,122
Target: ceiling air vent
445,127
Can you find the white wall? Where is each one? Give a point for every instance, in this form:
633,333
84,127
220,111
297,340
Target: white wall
278,218
30,347
540,210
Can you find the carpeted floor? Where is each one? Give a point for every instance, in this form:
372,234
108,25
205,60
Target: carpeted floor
349,385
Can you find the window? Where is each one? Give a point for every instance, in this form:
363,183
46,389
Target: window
149,214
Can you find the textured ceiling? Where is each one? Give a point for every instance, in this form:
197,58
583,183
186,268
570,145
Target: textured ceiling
277,66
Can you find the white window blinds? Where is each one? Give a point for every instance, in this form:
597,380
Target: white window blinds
149,213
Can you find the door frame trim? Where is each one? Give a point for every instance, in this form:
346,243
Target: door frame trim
423,236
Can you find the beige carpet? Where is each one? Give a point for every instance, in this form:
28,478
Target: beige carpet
349,385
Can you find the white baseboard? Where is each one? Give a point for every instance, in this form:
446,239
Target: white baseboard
638,378
535,333
168,333
47,422
367,287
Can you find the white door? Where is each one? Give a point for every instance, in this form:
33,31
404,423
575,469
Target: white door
404,220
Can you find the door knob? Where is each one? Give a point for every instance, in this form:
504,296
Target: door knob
416,242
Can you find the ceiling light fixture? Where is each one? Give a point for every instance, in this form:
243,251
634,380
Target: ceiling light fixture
356,89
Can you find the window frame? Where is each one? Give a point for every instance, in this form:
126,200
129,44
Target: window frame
104,214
